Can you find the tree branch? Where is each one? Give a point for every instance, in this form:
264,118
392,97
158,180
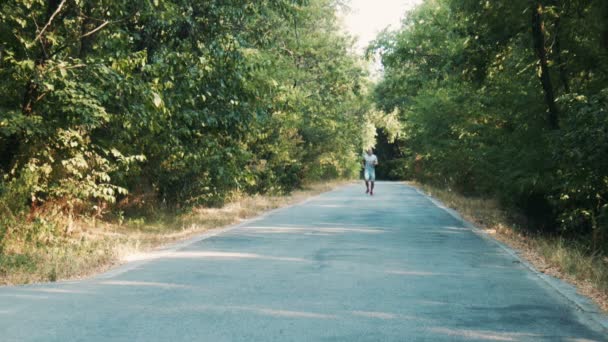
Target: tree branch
95,30
51,19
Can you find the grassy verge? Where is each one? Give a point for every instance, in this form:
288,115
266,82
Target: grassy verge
91,247
554,256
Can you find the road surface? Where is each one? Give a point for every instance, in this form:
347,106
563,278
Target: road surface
340,267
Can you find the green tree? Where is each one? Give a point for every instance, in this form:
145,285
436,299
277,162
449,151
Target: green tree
186,102
506,99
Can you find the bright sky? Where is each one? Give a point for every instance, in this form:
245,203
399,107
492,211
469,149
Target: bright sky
368,17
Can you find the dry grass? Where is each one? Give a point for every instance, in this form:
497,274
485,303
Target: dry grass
92,247
553,256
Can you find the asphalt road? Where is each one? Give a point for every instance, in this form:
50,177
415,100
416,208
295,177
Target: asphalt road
340,267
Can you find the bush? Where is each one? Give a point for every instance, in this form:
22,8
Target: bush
580,191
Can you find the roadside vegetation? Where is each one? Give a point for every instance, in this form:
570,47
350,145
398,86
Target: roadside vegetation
94,246
121,118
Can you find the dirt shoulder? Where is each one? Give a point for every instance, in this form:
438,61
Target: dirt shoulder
93,247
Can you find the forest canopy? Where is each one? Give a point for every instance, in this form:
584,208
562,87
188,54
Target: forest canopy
189,101
507,99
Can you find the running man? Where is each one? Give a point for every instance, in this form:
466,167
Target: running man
369,164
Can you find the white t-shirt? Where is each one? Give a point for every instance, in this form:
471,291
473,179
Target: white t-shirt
370,161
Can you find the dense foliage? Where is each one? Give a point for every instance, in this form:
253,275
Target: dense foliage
184,102
507,99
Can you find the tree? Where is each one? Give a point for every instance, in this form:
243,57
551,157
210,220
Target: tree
475,86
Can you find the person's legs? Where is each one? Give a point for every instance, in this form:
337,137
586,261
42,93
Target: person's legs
372,179
366,177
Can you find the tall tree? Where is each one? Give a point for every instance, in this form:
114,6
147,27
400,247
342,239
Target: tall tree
538,34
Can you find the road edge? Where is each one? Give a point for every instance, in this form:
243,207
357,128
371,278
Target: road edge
567,291
177,245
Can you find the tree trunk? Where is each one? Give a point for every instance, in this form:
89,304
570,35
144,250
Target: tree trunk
604,38
12,151
538,35
31,89
86,42
563,73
